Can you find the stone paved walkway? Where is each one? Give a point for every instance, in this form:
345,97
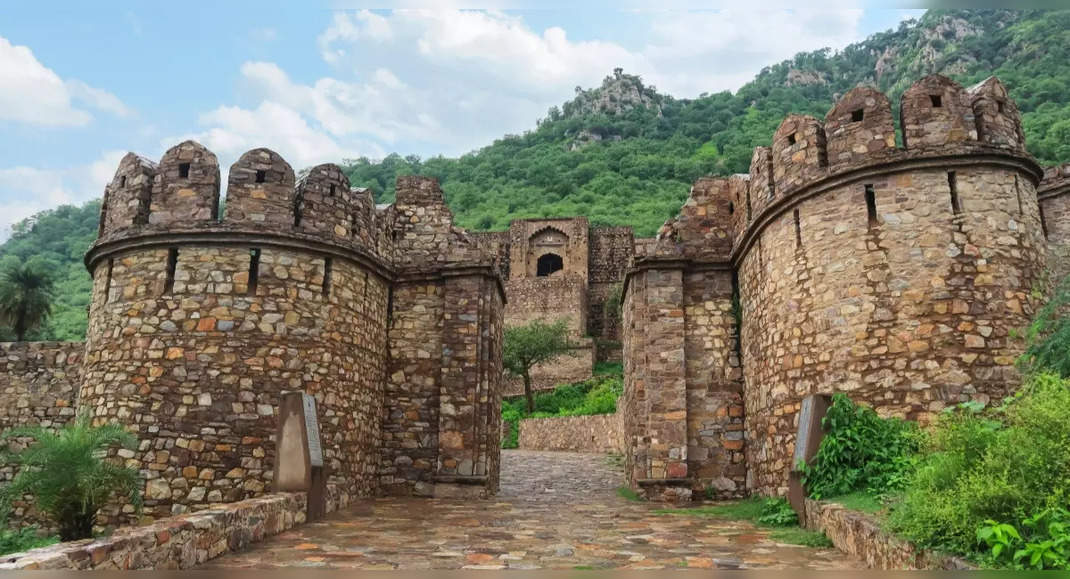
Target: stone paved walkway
555,510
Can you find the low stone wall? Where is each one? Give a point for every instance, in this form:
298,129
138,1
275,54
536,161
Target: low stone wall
177,542
857,534
39,382
598,433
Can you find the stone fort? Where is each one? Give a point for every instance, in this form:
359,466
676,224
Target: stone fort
845,261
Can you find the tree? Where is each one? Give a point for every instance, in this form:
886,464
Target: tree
532,344
25,297
67,475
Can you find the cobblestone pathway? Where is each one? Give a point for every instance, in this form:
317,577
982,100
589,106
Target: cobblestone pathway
555,510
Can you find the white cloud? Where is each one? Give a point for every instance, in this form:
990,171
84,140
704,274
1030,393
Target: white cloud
32,93
233,130
448,81
28,190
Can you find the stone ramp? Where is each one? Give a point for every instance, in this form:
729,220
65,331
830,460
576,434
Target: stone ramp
555,511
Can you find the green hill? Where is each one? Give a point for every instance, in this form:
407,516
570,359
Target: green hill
624,154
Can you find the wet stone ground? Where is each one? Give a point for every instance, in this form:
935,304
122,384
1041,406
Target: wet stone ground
555,510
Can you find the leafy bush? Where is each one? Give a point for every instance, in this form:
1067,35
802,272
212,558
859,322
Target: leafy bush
22,539
511,417
861,452
67,476
1004,465
1044,542
777,513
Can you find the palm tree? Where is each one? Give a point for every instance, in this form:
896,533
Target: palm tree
25,297
67,475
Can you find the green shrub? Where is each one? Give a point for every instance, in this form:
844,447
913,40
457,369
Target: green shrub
777,513
22,539
1006,464
511,418
67,476
861,452
1043,543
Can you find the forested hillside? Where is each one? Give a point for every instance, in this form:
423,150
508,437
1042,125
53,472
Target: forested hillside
624,154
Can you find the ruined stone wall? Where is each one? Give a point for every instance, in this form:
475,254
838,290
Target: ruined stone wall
899,285
1054,196
597,433
39,383
38,387
611,251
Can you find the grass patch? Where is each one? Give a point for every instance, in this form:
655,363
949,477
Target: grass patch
859,501
615,460
764,513
23,539
745,510
800,536
629,494
615,368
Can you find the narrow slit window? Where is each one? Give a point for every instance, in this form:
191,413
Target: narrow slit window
936,101
183,170
858,115
254,270
871,206
260,176
327,262
1043,223
748,205
331,193
999,107
791,139
1018,193
122,181
107,281
299,202
731,208
172,266
798,231
953,187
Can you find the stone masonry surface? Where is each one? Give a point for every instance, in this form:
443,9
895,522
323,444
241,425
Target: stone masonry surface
598,433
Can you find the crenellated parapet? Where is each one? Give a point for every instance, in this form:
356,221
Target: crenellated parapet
943,124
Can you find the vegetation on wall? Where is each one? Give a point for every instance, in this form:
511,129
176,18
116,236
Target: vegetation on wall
633,163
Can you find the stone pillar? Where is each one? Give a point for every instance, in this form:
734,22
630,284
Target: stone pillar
655,399
470,398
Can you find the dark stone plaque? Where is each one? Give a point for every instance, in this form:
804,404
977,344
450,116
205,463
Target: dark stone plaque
312,430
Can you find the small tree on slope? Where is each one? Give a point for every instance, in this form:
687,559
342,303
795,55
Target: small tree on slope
530,345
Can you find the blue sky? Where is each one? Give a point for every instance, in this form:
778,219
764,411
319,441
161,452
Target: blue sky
81,83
